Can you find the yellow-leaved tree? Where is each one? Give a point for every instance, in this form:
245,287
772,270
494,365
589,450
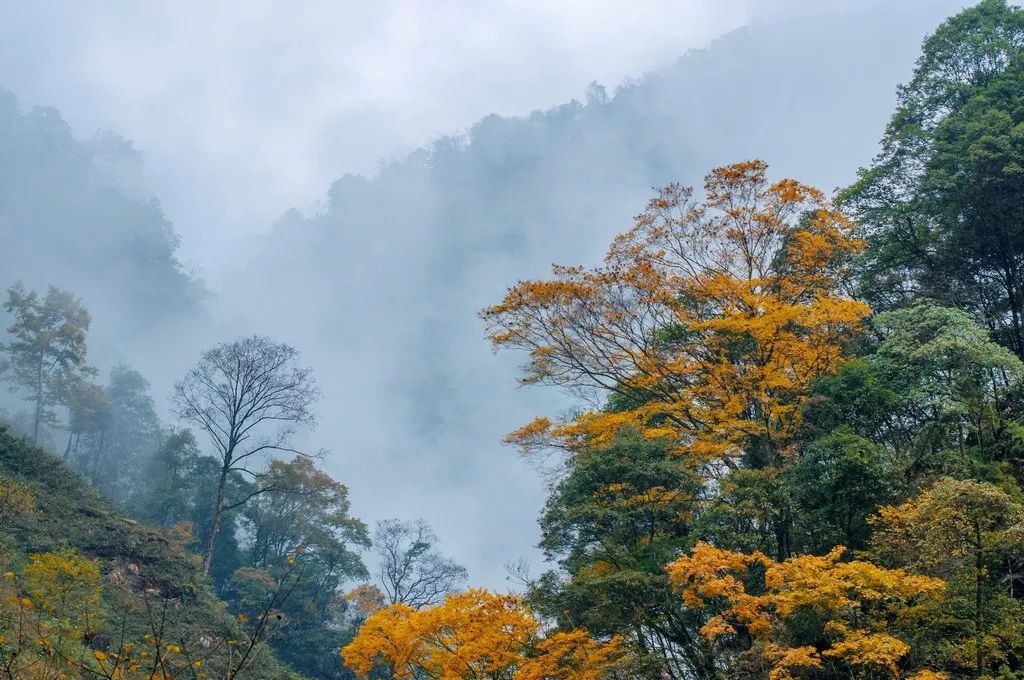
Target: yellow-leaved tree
809,614
476,635
43,623
707,322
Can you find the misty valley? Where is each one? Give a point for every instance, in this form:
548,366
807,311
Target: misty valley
763,418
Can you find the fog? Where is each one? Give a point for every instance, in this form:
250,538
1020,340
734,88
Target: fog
358,182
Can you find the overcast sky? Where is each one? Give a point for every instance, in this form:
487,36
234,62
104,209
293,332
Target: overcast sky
245,109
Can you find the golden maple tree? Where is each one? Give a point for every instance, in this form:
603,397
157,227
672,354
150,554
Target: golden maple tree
864,612
475,635
708,321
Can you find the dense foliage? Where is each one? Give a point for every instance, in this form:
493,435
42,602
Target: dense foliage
799,451
783,482
278,544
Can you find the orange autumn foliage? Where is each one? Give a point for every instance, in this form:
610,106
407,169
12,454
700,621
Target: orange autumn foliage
863,608
710,318
475,635
366,599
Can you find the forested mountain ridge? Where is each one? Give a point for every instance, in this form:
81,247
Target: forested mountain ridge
75,213
794,441
414,251
763,475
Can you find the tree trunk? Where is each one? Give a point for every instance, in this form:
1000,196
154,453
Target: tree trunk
1010,285
218,515
1018,340
979,620
783,526
39,402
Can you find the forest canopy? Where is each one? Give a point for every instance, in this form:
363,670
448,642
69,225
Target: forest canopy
796,446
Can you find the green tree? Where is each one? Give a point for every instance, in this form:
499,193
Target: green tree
133,431
622,512
176,485
46,356
936,391
304,506
112,431
836,486
167,486
943,202
970,534
954,381
89,412
304,511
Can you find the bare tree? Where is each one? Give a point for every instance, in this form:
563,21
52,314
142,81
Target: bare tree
248,396
518,571
411,571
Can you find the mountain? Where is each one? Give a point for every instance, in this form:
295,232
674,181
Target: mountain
73,214
381,283
378,287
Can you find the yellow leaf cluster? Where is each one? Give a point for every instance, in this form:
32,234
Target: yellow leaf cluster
64,582
621,495
862,605
476,634
571,655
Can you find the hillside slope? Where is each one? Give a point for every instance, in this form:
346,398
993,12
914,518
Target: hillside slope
151,587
